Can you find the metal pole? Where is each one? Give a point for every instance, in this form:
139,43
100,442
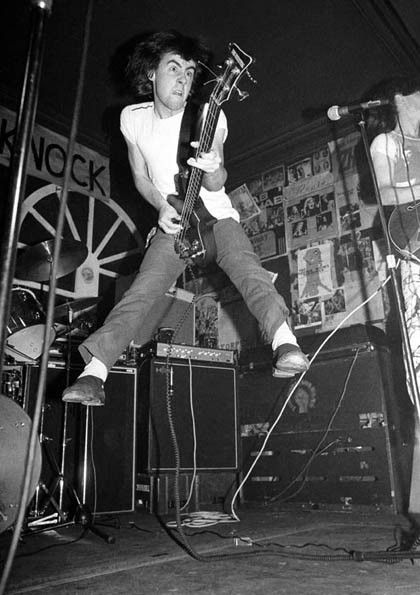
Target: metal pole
18,162
10,232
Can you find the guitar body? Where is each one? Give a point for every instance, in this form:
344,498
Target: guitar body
404,229
197,245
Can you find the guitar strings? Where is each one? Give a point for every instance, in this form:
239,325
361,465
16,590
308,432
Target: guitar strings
227,82
196,174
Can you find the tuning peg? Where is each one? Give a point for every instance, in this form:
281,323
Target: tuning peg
251,78
241,94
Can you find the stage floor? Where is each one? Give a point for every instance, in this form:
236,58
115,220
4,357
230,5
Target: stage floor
267,551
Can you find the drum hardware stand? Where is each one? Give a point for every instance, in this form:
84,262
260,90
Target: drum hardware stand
40,518
83,515
59,516
66,407
39,512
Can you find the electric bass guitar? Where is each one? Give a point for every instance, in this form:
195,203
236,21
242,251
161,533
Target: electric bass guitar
404,229
195,241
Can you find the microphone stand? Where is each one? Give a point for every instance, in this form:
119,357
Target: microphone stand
41,10
410,368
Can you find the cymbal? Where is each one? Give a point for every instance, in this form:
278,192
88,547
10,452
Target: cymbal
34,263
62,310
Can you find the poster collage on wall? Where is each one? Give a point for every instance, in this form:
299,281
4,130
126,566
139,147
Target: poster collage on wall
312,211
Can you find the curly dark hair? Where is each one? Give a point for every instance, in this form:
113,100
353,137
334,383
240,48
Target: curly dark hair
385,118
149,51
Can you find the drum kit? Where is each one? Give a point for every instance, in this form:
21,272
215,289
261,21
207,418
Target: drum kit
24,344
26,323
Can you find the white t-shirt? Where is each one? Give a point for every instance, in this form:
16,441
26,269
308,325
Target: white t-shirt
157,139
404,154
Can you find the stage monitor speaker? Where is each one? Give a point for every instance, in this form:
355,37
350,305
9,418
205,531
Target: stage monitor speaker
204,414
107,483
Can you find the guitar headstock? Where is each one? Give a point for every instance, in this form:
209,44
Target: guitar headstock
235,66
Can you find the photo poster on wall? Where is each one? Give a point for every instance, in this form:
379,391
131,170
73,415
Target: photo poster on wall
352,211
344,160
312,216
244,203
331,278
266,229
207,320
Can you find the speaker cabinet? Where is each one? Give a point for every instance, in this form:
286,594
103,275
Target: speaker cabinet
203,411
342,438
100,441
108,439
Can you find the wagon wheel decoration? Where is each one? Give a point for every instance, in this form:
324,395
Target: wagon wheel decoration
113,243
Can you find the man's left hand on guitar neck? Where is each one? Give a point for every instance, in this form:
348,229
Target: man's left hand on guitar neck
211,164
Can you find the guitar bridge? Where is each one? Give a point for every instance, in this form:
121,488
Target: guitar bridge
190,251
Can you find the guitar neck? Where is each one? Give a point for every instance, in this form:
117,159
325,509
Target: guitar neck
235,65
204,145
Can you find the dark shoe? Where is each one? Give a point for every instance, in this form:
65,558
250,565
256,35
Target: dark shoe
87,390
289,360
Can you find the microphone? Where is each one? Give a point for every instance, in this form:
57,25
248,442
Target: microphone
336,112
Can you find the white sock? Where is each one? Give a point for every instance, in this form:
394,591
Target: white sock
283,335
95,368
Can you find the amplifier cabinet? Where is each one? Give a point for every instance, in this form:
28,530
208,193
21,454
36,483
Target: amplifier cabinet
343,435
204,415
347,389
345,469
100,453
109,439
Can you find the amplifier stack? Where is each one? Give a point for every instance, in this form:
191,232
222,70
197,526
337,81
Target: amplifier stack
345,437
200,385
130,439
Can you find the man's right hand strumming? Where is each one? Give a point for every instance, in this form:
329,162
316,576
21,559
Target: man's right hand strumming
169,219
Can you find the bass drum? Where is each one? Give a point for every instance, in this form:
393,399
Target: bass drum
15,428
